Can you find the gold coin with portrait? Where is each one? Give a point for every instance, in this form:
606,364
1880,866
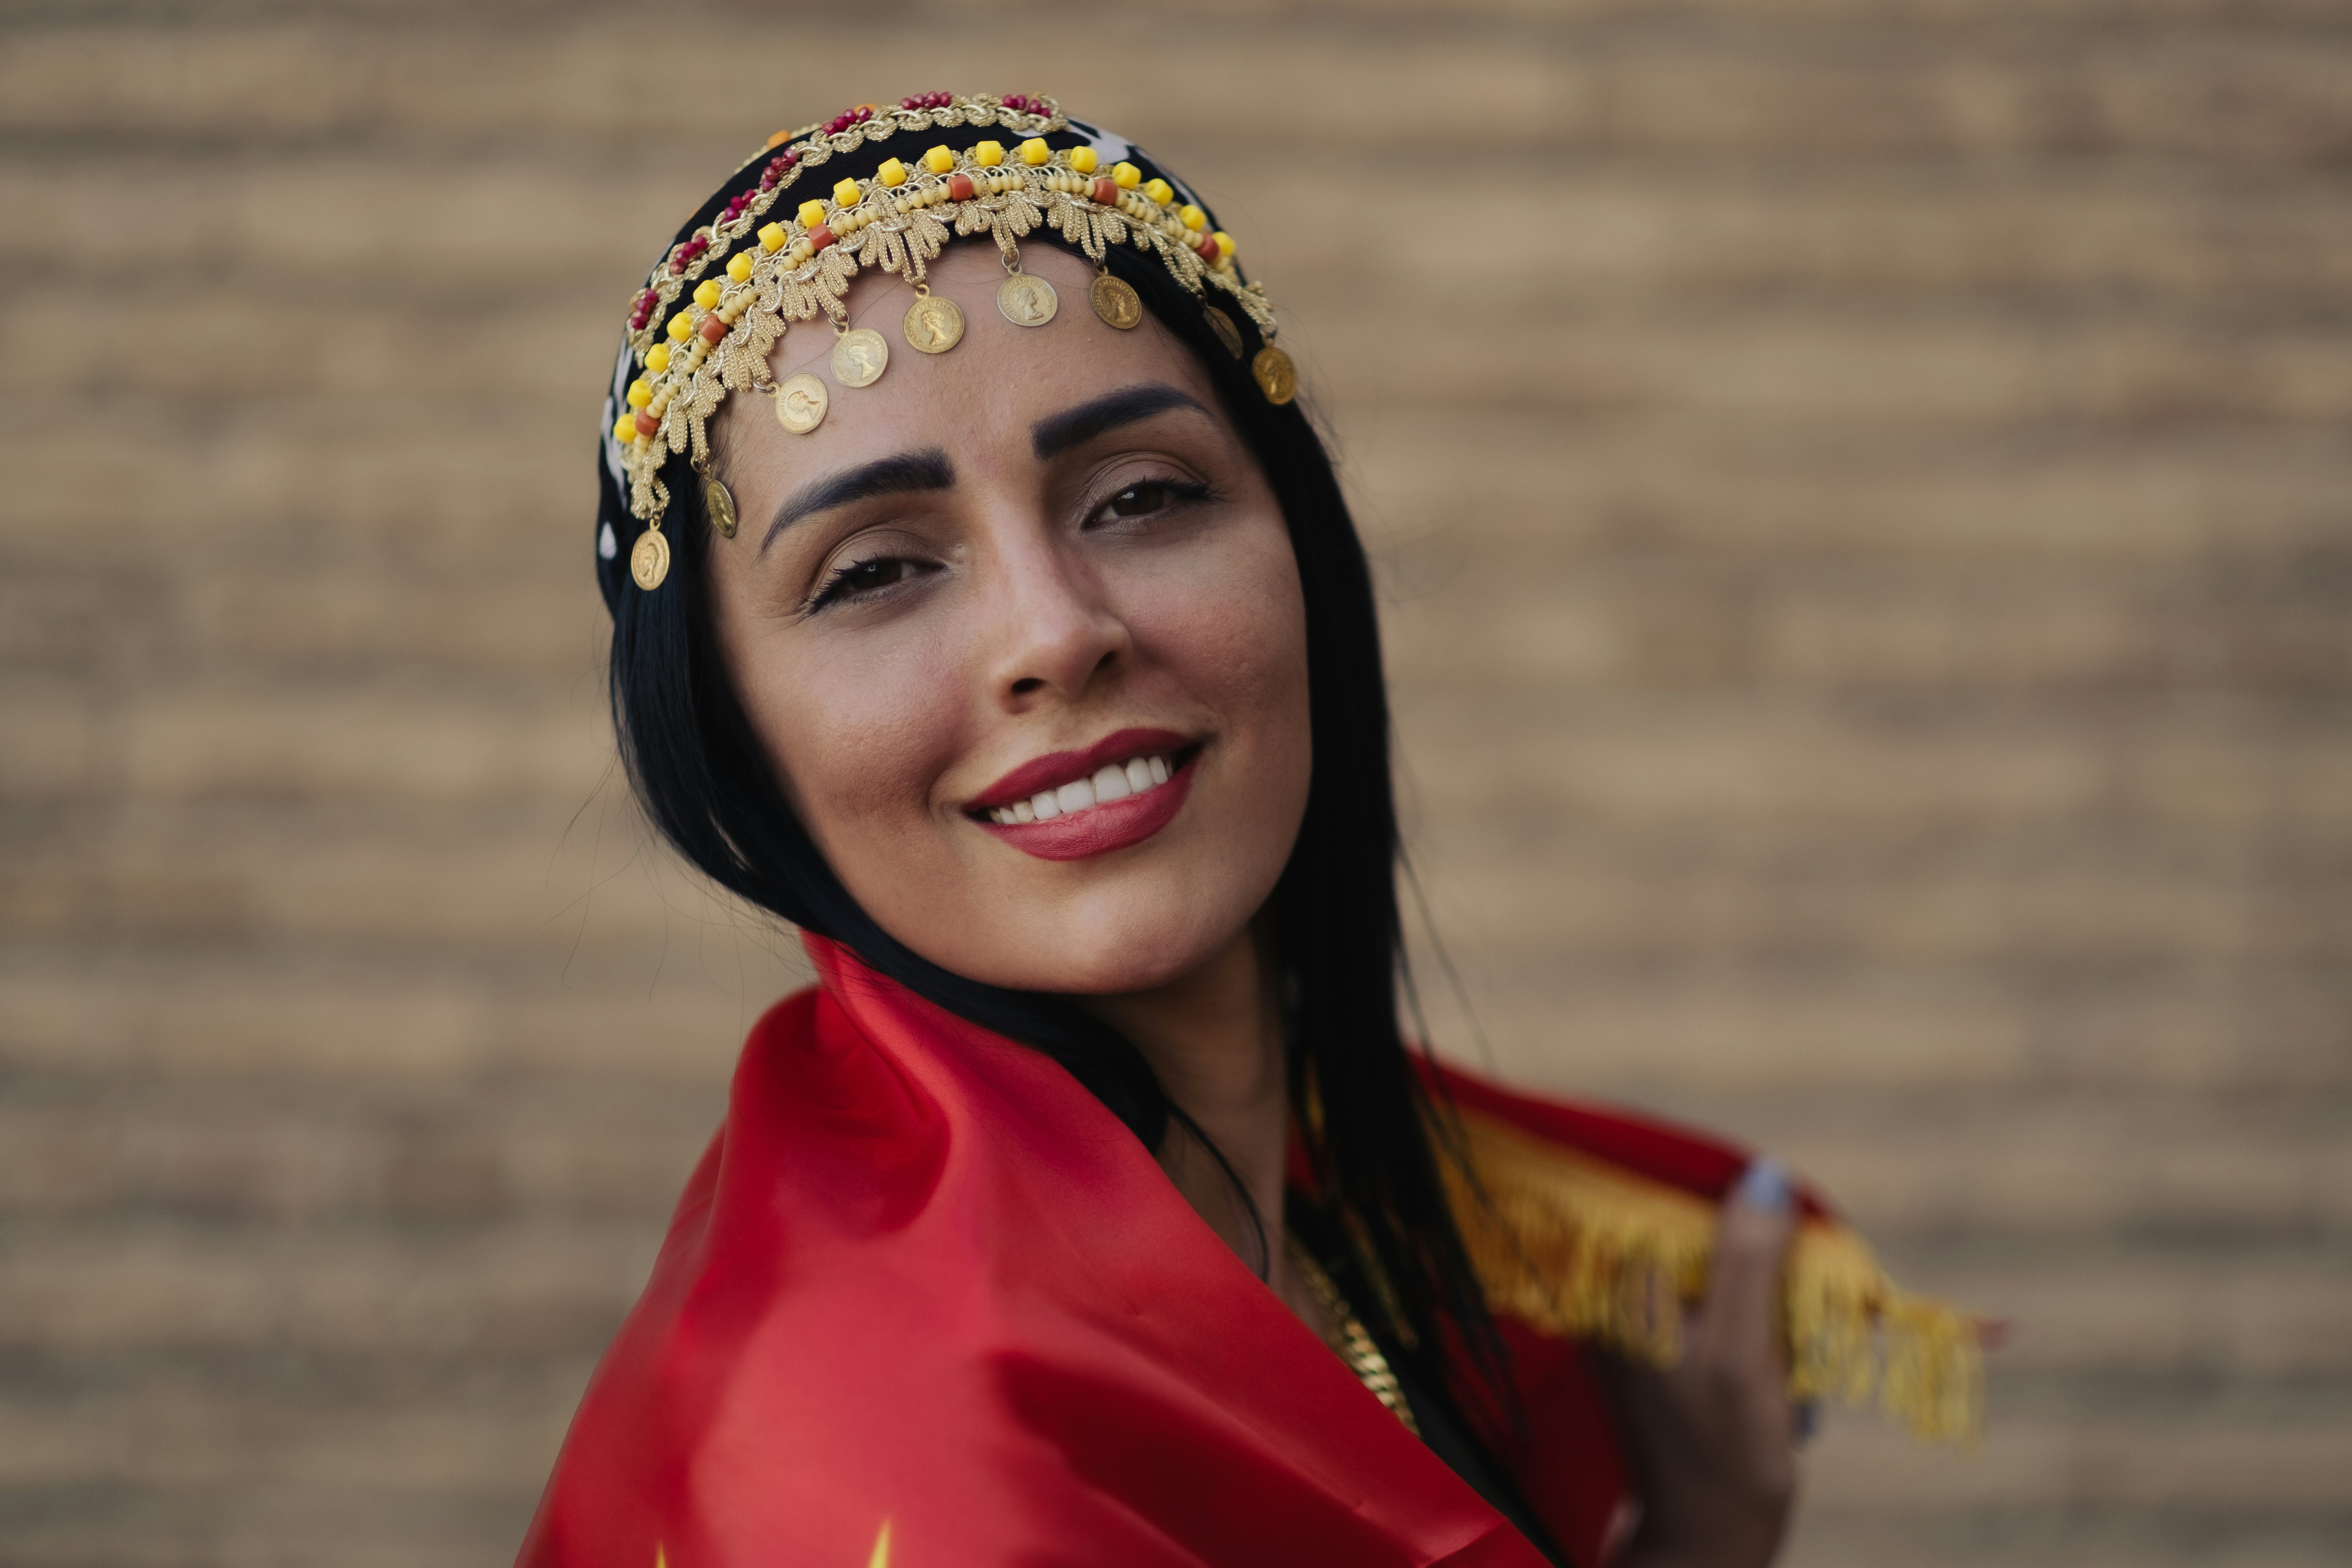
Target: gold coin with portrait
649,560
1026,301
801,403
1223,325
1276,376
933,324
720,502
859,357
1114,300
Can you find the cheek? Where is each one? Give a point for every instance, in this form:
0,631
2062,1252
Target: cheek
1238,638
857,737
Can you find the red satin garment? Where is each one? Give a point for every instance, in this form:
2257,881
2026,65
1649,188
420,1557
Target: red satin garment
922,1276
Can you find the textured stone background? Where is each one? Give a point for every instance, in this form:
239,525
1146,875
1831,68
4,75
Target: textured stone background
1870,595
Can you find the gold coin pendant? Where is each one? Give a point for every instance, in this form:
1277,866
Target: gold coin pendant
859,357
801,403
933,324
1026,301
1223,325
1114,300
720,502
1276,376
649,560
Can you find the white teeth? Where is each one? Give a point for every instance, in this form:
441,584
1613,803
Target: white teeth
1115,781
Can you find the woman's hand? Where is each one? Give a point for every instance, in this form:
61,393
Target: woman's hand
1712,1440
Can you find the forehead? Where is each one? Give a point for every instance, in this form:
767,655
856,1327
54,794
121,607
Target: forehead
978,397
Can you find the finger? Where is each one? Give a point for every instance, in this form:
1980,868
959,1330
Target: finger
1735,1324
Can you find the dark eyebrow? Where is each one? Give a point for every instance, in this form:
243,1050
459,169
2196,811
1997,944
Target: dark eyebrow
1058,432
900,474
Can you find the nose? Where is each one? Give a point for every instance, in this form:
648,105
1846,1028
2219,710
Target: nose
1056,634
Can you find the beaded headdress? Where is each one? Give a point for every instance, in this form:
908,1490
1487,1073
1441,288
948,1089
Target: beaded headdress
882,189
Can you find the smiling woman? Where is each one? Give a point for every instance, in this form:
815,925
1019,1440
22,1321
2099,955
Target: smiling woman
1092,1208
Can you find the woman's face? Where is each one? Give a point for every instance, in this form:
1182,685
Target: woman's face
1019,629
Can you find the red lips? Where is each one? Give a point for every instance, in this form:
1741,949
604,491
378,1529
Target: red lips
1058,768
1097,829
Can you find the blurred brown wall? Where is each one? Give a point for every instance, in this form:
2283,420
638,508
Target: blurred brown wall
1862,495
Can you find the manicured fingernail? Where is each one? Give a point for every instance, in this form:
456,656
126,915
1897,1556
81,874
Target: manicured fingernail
1765,1185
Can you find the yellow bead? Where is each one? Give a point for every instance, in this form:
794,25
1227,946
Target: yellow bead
640,394
1083,160
1194,218
988,155
772,238
1034,152
658,358
679,327
739,266
624,429
844,194
938,160
812,214
1224,242
892,173
1160,191
1126,177
705,293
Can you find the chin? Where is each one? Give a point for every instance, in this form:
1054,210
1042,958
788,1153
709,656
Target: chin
1086,948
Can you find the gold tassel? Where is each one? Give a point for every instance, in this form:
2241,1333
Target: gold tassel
1571,1245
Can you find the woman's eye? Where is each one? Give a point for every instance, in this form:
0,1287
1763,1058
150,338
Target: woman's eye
861,577
1149,497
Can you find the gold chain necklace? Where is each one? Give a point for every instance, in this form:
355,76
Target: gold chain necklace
1349,1338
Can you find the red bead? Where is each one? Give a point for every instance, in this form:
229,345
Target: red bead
713,329
1106,191
1208,246
819,238
646,423
960,187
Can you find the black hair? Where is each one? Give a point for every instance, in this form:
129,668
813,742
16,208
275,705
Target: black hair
1365,1117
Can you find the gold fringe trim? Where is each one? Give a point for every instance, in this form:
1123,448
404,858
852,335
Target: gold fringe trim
1571,1245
